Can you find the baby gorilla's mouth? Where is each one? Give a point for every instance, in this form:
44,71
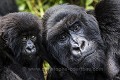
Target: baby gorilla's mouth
30,51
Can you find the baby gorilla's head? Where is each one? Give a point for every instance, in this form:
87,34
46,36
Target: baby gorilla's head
22,33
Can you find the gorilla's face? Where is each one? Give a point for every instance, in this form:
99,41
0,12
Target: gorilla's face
24,44
21,33
75,41
29,46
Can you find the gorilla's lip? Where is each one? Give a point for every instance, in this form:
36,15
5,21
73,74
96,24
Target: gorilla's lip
29,54
76,53
33,51
82,59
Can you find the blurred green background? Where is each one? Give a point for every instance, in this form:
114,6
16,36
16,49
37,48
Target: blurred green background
38,7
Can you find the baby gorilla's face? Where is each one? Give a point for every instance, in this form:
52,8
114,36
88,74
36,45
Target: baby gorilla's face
29,43
29,47
22,35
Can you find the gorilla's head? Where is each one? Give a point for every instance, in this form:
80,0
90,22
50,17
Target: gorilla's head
21,32
73,37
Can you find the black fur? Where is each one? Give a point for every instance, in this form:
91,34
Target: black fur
108,15
59,22
12,28
8,6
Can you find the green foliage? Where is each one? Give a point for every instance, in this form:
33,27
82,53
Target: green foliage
38,7
88,4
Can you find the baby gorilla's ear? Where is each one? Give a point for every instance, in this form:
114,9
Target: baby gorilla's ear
5,36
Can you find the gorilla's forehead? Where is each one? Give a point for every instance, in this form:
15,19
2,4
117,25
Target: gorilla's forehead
59,16
62,25
20,21
60,20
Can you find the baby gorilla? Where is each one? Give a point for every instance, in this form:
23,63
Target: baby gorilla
74,44
21,44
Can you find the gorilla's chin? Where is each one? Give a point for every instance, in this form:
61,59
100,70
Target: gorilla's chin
77,60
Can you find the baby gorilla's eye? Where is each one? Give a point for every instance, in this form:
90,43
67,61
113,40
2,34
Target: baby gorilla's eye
33,37
24,39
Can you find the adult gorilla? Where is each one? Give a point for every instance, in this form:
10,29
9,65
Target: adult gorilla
74,44
108,16
7,6
20,46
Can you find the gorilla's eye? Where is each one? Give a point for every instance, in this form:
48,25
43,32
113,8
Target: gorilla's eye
63,37
24,39
75,27
33,37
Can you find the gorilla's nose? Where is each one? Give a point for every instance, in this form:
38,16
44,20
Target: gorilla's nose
30,48
79,45
83,44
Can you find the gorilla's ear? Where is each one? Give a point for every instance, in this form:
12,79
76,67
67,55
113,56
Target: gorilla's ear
4,37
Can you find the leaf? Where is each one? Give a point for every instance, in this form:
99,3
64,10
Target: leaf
88,2
89,8
22,7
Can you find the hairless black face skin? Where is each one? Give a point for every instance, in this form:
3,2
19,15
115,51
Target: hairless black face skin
73,39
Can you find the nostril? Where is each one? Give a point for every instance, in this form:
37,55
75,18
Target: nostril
76,48
82,45
28,48
33,47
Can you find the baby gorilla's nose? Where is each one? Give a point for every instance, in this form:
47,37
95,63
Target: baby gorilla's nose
30,47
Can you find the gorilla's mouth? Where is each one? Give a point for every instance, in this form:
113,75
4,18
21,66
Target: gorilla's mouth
79,59
76,52
84,49
84,58
30,51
